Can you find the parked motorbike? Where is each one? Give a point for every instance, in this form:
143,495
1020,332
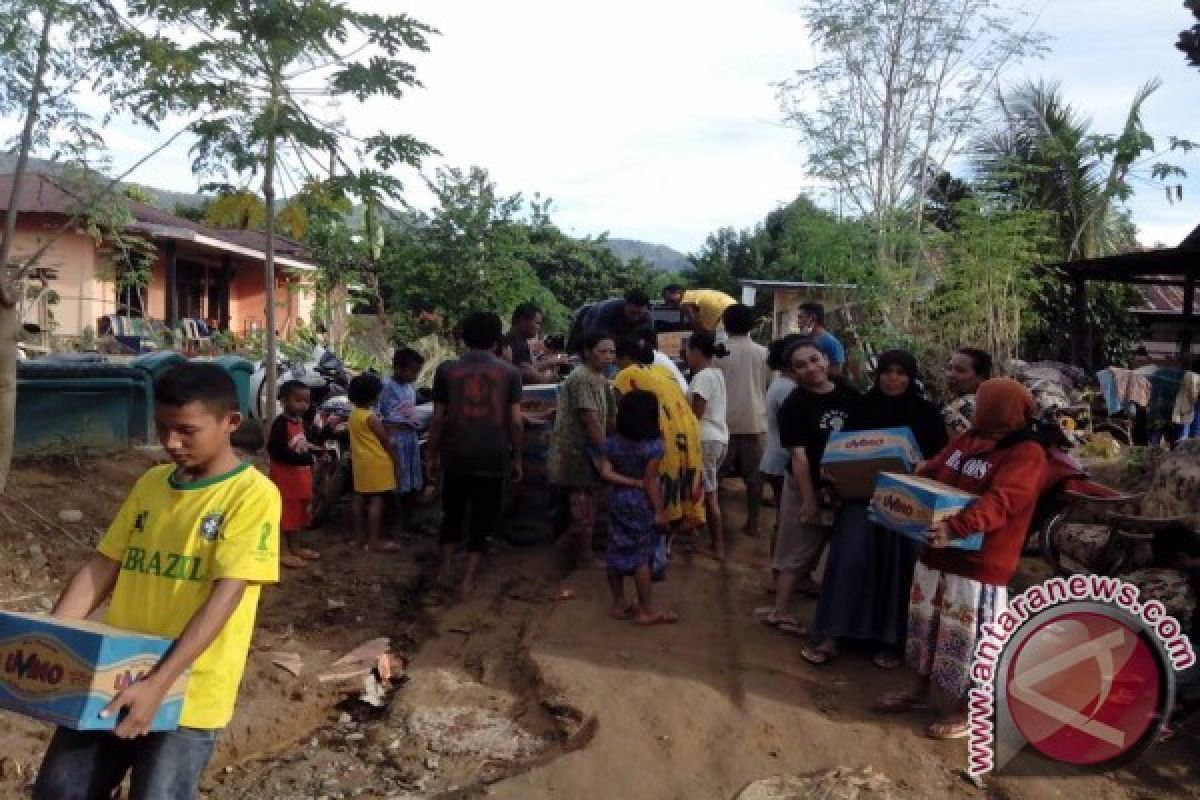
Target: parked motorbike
323,373
1064,473
331,437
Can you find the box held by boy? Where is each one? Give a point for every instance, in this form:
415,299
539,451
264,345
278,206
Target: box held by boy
67,671
911,505
854,459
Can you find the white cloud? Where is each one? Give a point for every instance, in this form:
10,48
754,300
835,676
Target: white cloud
655,119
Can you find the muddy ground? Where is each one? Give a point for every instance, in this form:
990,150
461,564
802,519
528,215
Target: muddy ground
520,694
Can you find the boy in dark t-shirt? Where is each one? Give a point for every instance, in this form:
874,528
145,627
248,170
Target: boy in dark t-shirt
474,441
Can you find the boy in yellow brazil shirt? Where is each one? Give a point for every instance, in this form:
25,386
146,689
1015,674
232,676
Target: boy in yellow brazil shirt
185,559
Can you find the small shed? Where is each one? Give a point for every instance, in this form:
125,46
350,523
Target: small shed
1173,269
839,299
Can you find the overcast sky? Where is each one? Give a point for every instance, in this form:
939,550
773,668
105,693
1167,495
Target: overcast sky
655,119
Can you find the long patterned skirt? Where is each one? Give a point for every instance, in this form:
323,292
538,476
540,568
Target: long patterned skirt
945,615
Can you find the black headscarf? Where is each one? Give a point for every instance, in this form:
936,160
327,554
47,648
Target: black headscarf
910,410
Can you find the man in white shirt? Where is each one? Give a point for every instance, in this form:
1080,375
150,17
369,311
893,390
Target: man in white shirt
746,380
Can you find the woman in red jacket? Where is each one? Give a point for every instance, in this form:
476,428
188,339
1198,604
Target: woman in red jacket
956,592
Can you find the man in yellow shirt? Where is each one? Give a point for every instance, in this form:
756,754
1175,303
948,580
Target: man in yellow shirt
703,308
184,559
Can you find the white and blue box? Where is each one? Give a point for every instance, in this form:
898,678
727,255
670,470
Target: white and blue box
853,460
67,671
911,505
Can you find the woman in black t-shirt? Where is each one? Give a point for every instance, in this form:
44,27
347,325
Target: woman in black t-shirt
816,408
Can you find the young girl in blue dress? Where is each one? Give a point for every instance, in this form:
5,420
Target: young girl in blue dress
633,456
397,409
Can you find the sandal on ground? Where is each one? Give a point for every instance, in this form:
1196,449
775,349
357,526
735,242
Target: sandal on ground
899,703
661,618
306,553
384,547
953,728
292,562
816,656
786,625
885,660
627,612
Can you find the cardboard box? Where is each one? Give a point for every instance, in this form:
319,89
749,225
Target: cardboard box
65,672
911,505
854,459
539,398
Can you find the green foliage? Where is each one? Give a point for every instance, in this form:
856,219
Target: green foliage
1044,157
479,248
982,294
798,242
1189,39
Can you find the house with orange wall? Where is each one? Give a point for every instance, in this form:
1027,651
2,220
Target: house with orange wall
198,272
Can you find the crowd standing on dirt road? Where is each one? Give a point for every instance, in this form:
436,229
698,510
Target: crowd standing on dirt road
632,453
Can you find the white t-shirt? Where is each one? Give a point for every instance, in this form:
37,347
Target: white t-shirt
709,383
662,358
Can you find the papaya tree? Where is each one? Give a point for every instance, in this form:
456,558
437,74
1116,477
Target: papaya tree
256,76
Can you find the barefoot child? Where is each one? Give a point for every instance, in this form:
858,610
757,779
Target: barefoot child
707,395
371,462
216,513
632,460
474,443
397,409
291,470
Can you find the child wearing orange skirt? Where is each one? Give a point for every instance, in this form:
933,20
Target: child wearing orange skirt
291,469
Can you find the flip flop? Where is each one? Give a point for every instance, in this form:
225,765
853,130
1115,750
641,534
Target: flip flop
661,618
816,656
899,703
385,547
949,729
292,562
785,625
306,553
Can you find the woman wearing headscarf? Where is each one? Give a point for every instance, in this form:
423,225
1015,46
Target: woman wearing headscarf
864,594
956,592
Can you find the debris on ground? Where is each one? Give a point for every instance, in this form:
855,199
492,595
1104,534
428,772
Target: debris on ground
839,783
292,662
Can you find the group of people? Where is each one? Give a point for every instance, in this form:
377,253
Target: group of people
659,442
638,450
766,414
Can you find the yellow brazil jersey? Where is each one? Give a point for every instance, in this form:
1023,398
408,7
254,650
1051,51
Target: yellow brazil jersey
173,540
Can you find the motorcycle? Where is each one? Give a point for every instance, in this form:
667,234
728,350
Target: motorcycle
323,373
331,437
1064,473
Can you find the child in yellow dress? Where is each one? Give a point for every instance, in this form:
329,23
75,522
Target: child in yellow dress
372,462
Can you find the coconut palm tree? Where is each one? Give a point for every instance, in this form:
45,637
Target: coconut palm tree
1044,156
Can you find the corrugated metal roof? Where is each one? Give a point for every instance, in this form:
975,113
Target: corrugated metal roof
43,194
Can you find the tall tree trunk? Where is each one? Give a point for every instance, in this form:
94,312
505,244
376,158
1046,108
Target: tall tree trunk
338,295
272,346
10,286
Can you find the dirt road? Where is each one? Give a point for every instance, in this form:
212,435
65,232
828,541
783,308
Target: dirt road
518,694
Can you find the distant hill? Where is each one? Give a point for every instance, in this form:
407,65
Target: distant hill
165,199
659,255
